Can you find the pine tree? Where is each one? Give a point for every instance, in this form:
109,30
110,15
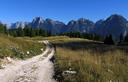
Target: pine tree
108,40
37,32
126,38
20,32
3,29
121,38
42,32
32,32
49,33
27,31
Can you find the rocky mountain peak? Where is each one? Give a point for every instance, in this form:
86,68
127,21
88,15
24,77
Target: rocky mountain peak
18,24
116,19
38,20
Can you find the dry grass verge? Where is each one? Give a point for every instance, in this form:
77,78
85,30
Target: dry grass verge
93,61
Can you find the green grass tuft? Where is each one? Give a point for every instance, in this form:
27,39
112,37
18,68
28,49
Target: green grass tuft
18,47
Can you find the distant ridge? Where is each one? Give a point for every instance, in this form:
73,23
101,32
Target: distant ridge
114,25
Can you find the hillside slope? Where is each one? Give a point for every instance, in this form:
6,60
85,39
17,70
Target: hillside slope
17,48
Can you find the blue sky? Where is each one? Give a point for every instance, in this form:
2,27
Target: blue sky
63,10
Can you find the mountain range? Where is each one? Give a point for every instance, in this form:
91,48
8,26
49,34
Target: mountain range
115,25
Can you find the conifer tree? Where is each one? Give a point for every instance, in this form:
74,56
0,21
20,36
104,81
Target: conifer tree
109,40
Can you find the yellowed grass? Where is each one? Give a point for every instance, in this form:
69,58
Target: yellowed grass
92,66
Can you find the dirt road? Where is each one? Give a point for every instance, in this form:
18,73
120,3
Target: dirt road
36,69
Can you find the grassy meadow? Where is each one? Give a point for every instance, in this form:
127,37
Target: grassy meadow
92,61
18,47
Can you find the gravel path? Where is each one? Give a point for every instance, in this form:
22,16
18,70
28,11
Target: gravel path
36,69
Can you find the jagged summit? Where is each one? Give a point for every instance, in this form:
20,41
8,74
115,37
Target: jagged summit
38,19
114,24
18,24
116,19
